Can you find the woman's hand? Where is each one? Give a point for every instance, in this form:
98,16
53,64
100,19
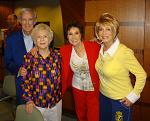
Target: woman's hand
96,40
29,106
126,102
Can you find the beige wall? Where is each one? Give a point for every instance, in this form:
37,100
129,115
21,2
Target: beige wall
47,10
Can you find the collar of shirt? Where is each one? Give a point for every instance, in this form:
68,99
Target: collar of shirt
112,48
40,56
28,41
26,36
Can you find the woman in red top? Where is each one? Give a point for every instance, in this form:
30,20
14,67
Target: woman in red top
78,72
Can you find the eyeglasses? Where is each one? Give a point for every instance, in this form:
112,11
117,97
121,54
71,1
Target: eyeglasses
42,37
29,21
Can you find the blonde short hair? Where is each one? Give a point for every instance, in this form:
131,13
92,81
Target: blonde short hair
40,27
109,20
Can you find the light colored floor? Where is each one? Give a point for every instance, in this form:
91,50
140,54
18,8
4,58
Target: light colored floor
65,117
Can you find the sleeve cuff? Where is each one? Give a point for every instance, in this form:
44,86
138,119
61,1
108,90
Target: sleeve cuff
132,97
19,73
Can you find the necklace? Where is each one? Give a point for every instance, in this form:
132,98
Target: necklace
80,50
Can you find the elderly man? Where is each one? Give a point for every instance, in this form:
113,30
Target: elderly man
18,44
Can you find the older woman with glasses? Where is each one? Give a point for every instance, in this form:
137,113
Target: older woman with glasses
42,83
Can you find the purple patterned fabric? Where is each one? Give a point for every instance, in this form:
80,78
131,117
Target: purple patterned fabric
42,83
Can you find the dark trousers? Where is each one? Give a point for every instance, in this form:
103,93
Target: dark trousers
19,91
113,110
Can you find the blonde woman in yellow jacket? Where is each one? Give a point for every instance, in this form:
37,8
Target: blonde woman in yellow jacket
113,65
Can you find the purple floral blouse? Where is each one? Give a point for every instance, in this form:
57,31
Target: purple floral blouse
42,83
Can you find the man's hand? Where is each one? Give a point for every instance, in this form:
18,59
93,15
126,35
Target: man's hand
23,71
34,51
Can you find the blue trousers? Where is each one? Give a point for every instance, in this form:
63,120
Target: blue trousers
19,91
113,110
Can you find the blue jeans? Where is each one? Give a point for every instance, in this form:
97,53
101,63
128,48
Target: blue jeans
113,110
